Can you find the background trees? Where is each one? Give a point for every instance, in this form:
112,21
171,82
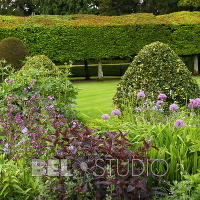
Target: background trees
62,7
195,4
117,7
159,6
102,7
17,7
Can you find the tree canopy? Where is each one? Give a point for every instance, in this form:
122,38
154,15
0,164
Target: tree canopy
17,7
62,7
190,3
102,7
117,7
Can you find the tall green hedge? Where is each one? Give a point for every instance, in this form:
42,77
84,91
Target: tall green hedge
62,43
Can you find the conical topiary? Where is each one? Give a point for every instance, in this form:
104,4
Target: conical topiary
13,51
156,69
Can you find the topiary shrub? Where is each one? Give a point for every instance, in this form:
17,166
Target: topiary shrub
39,61
156,69
13,51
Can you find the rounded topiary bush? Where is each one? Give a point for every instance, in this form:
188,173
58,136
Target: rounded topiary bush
13,51
156,69
39,61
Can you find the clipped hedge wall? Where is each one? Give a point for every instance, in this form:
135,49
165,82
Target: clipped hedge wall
62,42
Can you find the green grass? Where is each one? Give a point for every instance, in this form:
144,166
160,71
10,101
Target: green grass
95,97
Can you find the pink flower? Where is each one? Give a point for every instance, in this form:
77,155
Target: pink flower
116,112
173,107
141,95
179,123
194,103
105,117
162,96
51,98
159,103
9,81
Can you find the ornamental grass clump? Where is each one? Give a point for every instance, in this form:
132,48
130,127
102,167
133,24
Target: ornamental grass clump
156,70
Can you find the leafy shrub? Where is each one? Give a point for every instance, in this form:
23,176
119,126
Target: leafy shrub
38,62
89,157
27,120
13,51
188,189
41,80
17,183
34,127
156,69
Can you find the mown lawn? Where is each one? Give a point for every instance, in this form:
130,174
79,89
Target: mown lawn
95,97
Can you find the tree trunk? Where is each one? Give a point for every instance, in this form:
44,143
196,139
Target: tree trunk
100,70
196,65
87,73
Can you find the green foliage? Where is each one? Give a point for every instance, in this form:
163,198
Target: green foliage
17,182
188,189
117,7
5,69
159,6
62,7
17,7
189,3
46,80
177,146
156,69
13,51
39,62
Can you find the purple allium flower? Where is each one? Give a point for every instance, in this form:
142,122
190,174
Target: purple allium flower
159,103
179,123
105,117
116,112
141,95
137,109
194,103
162,96
173,107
